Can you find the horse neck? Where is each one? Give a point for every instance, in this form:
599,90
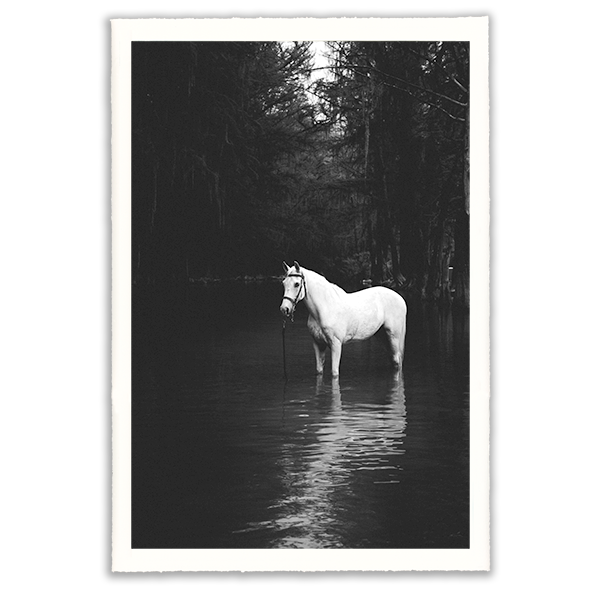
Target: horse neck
320,293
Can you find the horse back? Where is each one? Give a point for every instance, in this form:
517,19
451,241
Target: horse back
387,298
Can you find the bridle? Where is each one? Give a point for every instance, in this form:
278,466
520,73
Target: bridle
295,300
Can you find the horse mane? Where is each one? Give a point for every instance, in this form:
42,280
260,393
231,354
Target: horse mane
323,280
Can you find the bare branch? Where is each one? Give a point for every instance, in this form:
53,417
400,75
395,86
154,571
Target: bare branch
424,89
441,68
423,101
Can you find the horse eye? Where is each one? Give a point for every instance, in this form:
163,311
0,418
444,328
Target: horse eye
296,284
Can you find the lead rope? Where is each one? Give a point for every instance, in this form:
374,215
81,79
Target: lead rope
283,340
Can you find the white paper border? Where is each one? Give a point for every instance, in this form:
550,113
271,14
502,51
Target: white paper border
472,29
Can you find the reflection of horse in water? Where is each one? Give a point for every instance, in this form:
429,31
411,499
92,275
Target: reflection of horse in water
366,422
393,394
336,317
357,443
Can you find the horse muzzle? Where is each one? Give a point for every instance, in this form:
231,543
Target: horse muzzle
286,308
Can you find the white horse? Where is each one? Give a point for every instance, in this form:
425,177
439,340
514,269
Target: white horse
336,317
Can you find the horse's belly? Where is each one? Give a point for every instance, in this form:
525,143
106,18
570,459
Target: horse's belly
364,322
362,331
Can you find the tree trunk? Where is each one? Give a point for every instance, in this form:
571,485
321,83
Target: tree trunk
461,260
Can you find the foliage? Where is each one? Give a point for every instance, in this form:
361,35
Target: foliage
236,166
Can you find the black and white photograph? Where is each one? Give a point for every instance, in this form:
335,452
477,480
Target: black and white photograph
301,294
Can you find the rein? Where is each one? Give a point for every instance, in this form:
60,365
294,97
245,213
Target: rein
294,302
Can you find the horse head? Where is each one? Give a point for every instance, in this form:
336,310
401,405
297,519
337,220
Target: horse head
294,289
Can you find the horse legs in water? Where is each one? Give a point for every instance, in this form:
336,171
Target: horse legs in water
396,340
336,355
396,344
320,350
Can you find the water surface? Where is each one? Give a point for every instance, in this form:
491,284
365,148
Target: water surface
227,454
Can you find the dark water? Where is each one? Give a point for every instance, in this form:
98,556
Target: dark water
225,454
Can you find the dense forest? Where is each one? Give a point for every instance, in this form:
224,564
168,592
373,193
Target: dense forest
245,154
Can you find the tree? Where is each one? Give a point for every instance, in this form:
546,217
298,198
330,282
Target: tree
212,124
404,109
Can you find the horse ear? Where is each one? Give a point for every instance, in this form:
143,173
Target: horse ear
297,265
286,267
